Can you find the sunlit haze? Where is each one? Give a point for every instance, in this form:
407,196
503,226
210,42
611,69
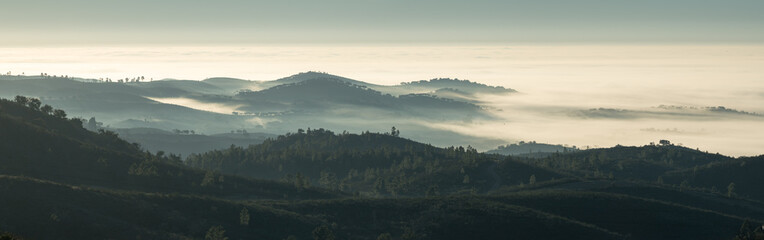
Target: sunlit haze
549,78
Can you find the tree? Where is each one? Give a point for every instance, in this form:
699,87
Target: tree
730,190
747,231
92,124
328,180
59,113
379,185
215,233
323,233
394,132
47,109
9,236
409,234
34,104
432,191
684,185
385,236
244,216
209,178
21,100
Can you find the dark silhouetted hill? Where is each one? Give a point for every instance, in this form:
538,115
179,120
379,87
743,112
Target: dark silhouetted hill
744,174
525,148
39,145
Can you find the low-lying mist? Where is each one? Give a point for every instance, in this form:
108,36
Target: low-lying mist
583,95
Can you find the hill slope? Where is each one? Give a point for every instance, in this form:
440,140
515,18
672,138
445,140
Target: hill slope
57,176
36,144
738,177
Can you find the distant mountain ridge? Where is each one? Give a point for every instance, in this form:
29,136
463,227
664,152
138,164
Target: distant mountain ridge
299,77
315,92
523,148
308,99
457,84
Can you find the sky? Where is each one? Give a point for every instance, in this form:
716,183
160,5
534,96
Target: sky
88,22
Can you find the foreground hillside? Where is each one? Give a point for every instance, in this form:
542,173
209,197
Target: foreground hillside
76,184
36,144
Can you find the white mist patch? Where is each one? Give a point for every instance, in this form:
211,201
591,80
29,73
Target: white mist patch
257,121
548,119
198,105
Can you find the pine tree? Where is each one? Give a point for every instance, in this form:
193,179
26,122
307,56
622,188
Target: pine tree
385,236
323,233
244,216
731,190
215,233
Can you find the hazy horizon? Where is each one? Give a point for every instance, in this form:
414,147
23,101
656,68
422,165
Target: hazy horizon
552,80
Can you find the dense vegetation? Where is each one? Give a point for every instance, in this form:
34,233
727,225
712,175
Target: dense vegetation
372,163
61,181
646,163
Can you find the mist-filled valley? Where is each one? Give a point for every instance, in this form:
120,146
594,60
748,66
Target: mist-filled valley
451,142
580,95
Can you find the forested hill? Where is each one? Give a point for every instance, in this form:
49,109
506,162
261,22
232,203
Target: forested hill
370,163
737,177
322,94
664,164
40,142
645,163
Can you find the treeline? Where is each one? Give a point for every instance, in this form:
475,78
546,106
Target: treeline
453,80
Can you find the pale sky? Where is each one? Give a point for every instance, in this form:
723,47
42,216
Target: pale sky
86,22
